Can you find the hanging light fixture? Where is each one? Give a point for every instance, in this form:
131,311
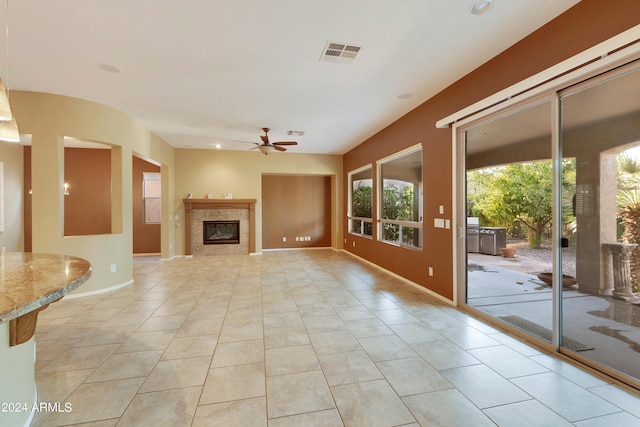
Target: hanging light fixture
5,109
8,126
9,131
266,149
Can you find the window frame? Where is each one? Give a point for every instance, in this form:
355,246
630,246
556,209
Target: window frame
151,177
381,220
362,220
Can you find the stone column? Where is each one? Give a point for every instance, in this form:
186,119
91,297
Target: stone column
621,260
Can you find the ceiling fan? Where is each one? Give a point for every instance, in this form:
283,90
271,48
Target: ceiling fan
269,147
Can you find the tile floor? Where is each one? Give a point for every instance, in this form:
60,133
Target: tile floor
299,338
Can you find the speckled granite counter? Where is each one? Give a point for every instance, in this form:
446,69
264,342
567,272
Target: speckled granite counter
28,284
30,281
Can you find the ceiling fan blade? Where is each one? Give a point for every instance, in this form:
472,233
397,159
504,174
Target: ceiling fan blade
264,139
279,148
245,142
285,143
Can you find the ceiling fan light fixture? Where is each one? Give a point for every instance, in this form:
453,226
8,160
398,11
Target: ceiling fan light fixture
266,149
480,7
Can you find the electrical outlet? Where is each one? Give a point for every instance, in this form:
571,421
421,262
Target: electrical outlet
353,243
113,268
284,239
430,271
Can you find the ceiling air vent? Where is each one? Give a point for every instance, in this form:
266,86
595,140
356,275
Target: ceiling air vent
339,52
295,133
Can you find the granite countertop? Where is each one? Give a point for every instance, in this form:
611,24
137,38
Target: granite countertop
29,281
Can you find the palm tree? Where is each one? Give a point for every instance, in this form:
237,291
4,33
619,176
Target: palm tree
628,204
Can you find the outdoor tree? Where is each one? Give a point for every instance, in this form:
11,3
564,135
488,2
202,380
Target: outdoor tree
362,201
521,194
363,206
628,201
398,204
517,193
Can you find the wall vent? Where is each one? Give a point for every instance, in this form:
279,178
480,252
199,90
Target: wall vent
339,52
295,132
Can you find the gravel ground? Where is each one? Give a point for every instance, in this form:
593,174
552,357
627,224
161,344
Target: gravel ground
544,254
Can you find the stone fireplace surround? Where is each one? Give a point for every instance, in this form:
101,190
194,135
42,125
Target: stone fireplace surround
198,210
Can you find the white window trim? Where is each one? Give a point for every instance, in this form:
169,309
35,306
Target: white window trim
350,218
149,176
380,188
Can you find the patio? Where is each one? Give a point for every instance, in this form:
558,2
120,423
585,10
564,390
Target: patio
603,329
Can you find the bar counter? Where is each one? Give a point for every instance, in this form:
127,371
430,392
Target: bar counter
29,282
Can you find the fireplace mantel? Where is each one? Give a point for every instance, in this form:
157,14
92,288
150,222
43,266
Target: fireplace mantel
191,204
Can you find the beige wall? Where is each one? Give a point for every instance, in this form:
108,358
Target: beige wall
201,172
12,238
50,117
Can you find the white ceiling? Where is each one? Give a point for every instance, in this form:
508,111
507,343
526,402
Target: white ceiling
201,72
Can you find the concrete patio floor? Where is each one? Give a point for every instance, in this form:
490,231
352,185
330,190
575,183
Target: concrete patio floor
508,288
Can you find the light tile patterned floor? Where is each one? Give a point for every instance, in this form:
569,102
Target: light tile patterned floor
298,338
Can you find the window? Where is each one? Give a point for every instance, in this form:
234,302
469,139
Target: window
361,202
400,195
151,191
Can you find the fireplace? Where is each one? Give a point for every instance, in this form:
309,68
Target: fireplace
220,232
196,211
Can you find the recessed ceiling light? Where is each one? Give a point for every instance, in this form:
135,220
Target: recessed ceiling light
480,7
109,68
405,96
218,146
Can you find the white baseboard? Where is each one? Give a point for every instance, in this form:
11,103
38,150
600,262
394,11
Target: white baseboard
404,279
173,257
314,248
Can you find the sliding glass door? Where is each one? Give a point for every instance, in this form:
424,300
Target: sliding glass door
552,224
509,213
601,131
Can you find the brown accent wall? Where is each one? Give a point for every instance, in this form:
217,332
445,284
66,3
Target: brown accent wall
296,206
581,27
146,237
87,209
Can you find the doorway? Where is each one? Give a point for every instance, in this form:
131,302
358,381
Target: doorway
559,175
